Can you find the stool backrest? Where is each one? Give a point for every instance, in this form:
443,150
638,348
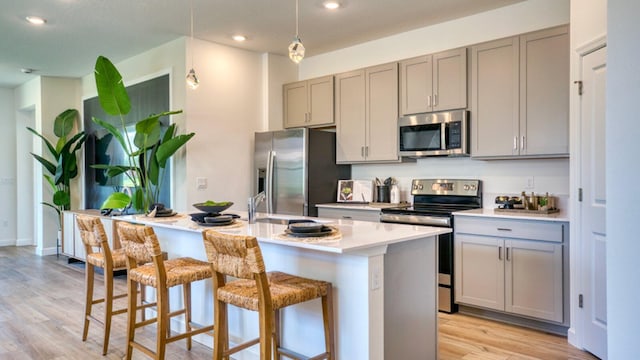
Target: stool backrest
234,255
140,242
91,232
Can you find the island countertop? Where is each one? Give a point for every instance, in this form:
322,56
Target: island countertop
355,235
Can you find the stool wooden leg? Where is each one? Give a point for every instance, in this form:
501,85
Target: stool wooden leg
89,274
186,295
266,333
143,298
108,307
220,331
163,318
327,315
276,333
132,292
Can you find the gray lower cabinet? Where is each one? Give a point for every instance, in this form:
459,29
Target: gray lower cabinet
72,245
367,115
520,96
514,266
349,214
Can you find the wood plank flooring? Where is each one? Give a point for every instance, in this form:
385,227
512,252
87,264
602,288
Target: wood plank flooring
41,310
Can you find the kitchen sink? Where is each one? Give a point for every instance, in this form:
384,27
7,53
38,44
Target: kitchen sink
281,221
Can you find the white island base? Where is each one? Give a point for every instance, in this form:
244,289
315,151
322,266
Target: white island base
384,278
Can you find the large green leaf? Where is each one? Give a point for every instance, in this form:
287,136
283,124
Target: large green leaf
113,131
52,150
66,148
51,182
116,200
111,90
168,148
51,167
171,130
63,124
61,198
138,202
153,170
114,170
147,132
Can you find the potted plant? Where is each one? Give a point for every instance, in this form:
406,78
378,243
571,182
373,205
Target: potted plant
64,166
146,154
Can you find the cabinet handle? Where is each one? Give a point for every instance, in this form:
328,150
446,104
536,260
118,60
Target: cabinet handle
362,151
346,217
309,117
435,100
429,101
522,143
507,250
515,143
504,229
499,252
366,151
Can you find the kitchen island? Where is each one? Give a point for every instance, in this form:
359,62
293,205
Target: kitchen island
384,278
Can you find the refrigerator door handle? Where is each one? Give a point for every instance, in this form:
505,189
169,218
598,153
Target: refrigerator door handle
269,186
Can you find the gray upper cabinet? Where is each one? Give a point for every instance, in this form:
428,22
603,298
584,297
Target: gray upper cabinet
434,82
308,103
366,115
520,96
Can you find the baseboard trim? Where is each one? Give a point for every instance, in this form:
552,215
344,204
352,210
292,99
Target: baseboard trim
7,242
25,242
514,320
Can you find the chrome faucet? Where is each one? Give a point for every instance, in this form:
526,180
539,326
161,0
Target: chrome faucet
253,204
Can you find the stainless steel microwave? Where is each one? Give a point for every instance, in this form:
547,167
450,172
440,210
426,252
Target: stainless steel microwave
434,134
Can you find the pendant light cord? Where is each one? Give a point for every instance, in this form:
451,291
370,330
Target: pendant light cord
191,42
297,19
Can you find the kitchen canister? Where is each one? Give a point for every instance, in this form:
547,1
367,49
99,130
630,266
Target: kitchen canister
394,195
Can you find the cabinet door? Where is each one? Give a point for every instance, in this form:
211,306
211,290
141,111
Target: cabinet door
320,101
450,80
534,279
382,113
416,85
79,252
350,117
494,98
479,269
68,233
544,92
295,104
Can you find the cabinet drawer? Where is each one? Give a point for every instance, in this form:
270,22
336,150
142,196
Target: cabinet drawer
349,214
507,228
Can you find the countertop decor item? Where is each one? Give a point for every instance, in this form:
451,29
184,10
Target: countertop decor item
146,153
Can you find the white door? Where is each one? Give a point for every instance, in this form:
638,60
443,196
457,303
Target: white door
593,205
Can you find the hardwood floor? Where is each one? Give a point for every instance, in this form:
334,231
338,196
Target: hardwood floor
41,310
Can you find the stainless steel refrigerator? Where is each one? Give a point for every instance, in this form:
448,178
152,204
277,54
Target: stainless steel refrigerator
297,170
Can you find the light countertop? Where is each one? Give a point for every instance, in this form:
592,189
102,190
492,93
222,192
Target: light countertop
356,235
562,216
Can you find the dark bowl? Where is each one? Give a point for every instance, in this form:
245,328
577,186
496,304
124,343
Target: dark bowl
212,209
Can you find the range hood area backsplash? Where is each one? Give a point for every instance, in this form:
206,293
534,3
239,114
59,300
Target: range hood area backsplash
499,177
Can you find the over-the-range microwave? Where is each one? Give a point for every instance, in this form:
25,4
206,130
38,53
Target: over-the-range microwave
434,134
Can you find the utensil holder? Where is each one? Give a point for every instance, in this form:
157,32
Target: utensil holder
382,192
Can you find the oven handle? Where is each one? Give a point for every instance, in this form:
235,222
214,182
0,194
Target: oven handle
416,220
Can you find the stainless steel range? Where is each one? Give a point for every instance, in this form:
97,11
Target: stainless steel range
434,200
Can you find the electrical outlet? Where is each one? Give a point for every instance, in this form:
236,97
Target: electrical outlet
529,183
375,278
201,183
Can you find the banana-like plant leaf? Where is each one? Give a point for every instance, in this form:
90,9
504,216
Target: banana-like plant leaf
66,148
52,150
113,131
139,199
111,91
50,181
61,142
61,198
116,200
168,148
153,170
171,130
51,168
147,133
63,124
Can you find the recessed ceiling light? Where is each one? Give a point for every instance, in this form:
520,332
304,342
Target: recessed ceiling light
26,70
331,5
239,38
36,20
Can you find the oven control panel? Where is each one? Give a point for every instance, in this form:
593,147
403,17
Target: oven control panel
445,187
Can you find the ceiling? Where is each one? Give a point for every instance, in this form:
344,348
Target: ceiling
77,31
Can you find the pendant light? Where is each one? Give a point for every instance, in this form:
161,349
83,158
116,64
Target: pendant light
192,79
296,49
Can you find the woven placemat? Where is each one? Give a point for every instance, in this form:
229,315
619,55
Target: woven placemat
334,235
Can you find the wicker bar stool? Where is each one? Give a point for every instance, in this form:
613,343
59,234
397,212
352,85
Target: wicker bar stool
141,246
99,255
240,256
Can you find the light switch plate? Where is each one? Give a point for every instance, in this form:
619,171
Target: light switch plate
201,183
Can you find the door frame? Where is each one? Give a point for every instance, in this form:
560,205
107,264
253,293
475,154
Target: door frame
577,321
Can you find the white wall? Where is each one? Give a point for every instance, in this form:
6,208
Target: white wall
8,184
623,171
279,70
500,177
